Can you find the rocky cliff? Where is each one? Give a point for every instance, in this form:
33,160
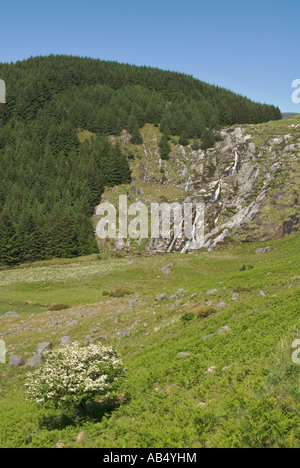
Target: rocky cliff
249,183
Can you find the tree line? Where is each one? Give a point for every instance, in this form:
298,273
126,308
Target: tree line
51,183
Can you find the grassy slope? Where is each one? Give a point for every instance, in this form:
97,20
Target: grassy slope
172,403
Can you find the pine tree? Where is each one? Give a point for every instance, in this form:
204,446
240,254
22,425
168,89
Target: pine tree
208,139
9,251
136,138
164,148
184,138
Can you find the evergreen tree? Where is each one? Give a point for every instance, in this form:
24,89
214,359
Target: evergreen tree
47,176
208,139
136,138
164,148
184,138
9,251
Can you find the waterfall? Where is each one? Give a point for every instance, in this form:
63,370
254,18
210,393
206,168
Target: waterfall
234,169
194,244
217,194
176,235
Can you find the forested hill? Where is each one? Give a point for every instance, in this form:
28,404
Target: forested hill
50,182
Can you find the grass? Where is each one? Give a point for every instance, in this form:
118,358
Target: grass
168,401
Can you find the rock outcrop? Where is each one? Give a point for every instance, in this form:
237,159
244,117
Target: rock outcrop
248,184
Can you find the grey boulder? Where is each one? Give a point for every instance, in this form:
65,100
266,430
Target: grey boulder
161,297
65,340
16,361
35,360
43,347
123,333
212,291
12,313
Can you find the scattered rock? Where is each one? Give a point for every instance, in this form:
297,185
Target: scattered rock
262,293
180,291
134,324
206,337
167,269
65,340
223,330
16,361
221,305
123,333
289,149
43,347
12,313
263,250
161,297
209,371
212,291
235,296
102,337
176,305
276,141
71,323
35,360
183,354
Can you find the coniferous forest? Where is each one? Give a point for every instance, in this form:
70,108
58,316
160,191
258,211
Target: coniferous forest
50,182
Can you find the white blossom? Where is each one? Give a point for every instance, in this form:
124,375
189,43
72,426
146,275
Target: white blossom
73,375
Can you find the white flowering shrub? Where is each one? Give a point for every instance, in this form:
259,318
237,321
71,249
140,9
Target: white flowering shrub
74,375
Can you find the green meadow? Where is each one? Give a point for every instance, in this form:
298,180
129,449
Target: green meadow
190,382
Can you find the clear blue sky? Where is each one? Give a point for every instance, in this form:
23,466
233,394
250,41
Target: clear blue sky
250,47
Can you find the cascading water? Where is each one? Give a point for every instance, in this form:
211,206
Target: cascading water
235,168
217,193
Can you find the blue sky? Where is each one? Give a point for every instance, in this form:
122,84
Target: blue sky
248,47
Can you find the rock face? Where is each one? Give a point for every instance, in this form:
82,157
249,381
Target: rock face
247,184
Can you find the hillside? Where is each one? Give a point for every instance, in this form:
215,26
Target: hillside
208,365
53,174
207,338
288,115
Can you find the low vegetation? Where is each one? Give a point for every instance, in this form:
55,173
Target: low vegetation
227,380
72,376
